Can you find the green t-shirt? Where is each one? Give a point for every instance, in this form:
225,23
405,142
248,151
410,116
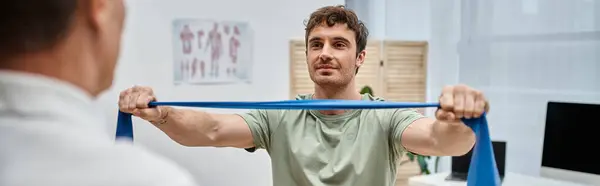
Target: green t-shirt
307,148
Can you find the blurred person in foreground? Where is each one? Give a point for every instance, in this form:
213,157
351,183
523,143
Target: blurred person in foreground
333,147
56,57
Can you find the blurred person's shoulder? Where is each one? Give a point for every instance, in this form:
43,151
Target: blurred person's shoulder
52,134
79,157
163,171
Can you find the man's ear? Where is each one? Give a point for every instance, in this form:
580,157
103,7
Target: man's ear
360,58
96,12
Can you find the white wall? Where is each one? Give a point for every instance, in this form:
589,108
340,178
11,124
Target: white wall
146,60
394,19
408,19
524,53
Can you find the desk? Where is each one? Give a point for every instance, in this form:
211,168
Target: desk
510,179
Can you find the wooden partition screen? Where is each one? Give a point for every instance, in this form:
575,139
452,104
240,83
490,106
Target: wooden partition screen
404,71
395,70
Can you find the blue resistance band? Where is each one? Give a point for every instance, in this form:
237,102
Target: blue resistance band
482,170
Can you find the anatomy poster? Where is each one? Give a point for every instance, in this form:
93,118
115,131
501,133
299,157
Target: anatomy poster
211,52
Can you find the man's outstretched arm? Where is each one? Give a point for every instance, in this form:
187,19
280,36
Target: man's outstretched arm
432,137
198,128
191,127
446,135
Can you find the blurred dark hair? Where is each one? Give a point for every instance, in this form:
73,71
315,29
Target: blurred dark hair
33,25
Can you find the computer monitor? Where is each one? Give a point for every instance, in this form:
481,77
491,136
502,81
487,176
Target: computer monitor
570,142
460,164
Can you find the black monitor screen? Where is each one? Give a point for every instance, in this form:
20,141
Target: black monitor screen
460,164
571,137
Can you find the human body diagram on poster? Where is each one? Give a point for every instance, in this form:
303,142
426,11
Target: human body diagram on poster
208,52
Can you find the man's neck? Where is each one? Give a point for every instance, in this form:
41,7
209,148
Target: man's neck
347,92
61,67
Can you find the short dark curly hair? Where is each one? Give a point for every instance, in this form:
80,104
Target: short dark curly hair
332,15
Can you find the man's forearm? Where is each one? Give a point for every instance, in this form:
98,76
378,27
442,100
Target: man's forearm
187,127
452,139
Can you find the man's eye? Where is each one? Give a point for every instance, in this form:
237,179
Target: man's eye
315,45
339,45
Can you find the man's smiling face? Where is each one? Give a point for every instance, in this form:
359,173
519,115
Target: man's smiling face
332,54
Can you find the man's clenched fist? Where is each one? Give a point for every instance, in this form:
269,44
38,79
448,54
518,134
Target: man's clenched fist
135,101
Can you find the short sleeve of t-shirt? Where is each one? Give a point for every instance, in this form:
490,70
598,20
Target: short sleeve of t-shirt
400,119
261,124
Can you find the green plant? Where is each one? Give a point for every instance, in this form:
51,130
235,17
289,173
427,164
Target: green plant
422,160
366,90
